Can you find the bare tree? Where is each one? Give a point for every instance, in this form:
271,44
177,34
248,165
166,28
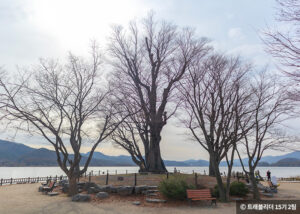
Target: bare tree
269,106
284,44
66,104
148,61
132,135
214,102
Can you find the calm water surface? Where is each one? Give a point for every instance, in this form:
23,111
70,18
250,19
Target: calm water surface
25,172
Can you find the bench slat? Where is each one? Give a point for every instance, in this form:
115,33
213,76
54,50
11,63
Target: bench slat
200,199
197,195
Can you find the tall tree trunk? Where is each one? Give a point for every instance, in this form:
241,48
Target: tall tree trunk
256,195
72,185
146,159
211,167
221,188
155,162
228,181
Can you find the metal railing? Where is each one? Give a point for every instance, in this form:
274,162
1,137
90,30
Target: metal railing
30,180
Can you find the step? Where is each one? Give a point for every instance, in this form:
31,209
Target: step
155,200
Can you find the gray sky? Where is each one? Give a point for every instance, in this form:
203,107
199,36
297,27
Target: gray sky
31,29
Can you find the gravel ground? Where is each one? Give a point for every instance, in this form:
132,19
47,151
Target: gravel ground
25,199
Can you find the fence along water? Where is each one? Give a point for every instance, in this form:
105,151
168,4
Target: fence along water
106,177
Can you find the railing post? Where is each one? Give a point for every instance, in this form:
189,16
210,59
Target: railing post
28,179
1,181
116,172
10,180
196,180
134,179
99,173
38,178
106,178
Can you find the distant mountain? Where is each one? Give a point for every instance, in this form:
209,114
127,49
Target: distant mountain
113,160
38,157
175,163
287,162
16,154
10,152
273,159
262,163
197,162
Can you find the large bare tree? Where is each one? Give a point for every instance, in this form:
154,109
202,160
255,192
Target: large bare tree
284,43
133,136
66,104
148,60
133,133
269,106
214,101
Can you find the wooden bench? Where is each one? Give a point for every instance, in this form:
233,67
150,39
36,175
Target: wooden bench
200,195
49,188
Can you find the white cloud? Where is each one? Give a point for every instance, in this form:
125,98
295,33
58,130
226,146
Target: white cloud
235,33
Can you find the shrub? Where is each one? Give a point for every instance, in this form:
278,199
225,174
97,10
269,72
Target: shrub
215,191
175,187
238,189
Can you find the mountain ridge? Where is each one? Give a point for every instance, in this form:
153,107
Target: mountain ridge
17,154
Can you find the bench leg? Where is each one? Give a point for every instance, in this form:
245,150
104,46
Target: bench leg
214,202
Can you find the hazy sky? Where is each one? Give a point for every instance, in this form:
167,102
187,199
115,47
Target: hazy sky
31,29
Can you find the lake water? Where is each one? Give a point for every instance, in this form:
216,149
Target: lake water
25,172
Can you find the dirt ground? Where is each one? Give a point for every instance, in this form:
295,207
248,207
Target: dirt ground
25,199
287,191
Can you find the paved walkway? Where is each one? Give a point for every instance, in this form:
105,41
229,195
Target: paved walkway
25,199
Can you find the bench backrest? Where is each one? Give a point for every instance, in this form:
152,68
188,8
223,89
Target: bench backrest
51,185
198,193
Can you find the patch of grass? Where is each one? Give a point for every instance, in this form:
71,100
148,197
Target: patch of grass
238,189
175,187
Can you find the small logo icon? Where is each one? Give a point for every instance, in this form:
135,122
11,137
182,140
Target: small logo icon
243,206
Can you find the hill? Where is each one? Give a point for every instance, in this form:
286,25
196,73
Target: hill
16,154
